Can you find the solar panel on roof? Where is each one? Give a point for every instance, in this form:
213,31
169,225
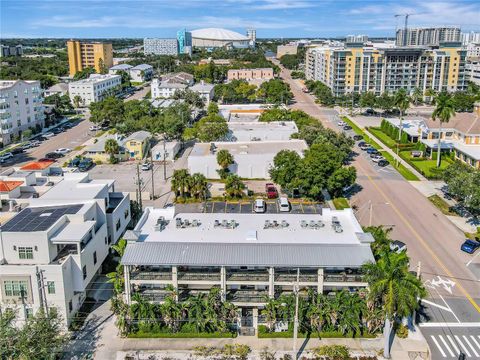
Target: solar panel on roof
38,219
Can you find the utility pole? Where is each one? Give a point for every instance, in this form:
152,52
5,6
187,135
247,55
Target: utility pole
43,295
164,159
22,296
371,211
139,188
153,170
295,323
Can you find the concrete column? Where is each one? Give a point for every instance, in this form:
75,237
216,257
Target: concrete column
255,318
320,281
223,282
126,274
271,279
175,279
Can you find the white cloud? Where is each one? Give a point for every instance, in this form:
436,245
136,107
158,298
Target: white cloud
282,5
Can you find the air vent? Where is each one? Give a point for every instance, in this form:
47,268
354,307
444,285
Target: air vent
186,223
225,224
274,224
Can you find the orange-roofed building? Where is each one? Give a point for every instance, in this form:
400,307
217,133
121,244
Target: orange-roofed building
37,165
9,189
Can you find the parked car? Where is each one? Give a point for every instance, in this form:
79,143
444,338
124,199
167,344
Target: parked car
357,137
74,162
6,156
48,135
271,191
17,150
283,204
53,155
26,146
470,246
146,166
376,158
398,246
369,112
341,123
371,151
57,130
35,143
63,151
85,164
347,127
383,163
94,128
67,125
259,206
41,138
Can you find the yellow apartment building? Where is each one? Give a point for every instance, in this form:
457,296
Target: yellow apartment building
82,55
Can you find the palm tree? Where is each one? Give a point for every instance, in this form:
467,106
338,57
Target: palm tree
199,186
234,187
393,288
112,148
417,95
354,307
224,159
382,239
430,93
270,311
318,312
402,103
444,110
77,100
180,182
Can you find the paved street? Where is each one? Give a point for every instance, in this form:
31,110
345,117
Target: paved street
387,199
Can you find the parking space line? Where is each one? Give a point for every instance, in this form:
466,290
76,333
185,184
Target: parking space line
453,344
462,346
303,210
438,346
213,206
446,345
226,206
475,341
240,209
471,346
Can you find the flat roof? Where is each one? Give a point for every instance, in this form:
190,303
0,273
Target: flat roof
75,187
72,232
38,218
263,126
302,241
251,147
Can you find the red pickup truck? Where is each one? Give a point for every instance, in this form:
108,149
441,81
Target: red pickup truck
271,191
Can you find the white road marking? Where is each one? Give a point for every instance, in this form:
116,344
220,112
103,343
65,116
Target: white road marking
462,346
446,345
475,341
453,344
451,324
469,344
447,284
437,305
471,260
438,346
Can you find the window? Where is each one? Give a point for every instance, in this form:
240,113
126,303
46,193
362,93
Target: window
51,287
84,270
29,313
127,212
25,252
15,288
70,306
117,225
94,257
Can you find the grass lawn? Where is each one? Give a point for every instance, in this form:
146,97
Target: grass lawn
140,335
384,138
442,205
340,203
427,167
78,148
473,236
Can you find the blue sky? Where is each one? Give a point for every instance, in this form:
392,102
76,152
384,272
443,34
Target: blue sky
271,18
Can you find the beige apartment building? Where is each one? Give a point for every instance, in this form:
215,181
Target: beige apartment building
250,74
82,55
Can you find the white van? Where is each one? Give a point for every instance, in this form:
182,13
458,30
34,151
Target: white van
259,206
283,204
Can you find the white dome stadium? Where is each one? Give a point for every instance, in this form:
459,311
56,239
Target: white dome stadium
216,37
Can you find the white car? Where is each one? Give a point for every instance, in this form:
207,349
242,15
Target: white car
146,166
377,158
94,128
259,206
48,135
341,123
398,246
284,204
6,156
63,151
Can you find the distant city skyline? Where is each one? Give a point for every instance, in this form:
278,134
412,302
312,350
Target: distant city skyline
271,18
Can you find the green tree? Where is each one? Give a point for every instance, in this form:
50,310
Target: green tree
180,182
368,99
111,110
84,74
275,91
285,168
444,110
290,61
463,182
417,96
77,101
209,128
385,102
103,68
382,241
333,352
224,159
234,187
341,178
212,109
402,103
8,335
199,186
430,94
126,78
112,148
394,288
192,98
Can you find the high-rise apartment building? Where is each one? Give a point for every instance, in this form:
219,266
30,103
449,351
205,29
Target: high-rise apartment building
252,35
471,37
159,46
184,39
21,108
361,69
427,36
15,50
82,55
356,39
95,88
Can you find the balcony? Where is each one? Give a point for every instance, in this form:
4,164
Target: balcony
198,276
153,295
343,278
248,276
247,296
150,275
292,277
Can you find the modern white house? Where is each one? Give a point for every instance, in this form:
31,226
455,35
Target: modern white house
52,250
165,89
205,90
119,67
252,159
139,73
21,108
57,89
261,131
94,88
250,257
166,151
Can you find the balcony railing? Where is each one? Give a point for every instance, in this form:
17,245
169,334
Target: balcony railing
249,276
199,276
150,275
279,277
250,296
343,278
153,295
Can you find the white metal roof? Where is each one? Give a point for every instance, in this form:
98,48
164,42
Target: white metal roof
217,34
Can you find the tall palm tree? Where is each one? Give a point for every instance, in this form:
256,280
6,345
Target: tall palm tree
430,93
270,311
234,186
402,103
444,110
417,95
393,288
77,100
180,182
354,307
199,186
112,148
224,159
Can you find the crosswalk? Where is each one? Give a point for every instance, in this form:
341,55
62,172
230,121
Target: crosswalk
450,346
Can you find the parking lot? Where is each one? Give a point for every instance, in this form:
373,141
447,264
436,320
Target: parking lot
246,207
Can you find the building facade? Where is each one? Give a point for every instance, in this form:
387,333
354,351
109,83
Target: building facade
165,89
250,74
364,68
250,257
184,40
95,88
21,108
158,46
205,90
471,37
82,55
427,36
139,73
473,69
356,39
16,50
53,249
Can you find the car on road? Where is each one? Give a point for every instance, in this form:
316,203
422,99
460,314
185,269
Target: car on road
146,166
271,191
283,204
35,143
17,150
377,157
341,123
40,138
85,164
57,130
357,137
470,246
67,125
48,135
6,156
383,163
259,206
53,155
94,128
398,246
347,127
63,151
371,151
26,146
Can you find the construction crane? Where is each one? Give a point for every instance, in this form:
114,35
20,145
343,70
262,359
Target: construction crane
406,26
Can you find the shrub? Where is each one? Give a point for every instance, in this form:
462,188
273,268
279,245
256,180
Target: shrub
402,331
98,162
333,352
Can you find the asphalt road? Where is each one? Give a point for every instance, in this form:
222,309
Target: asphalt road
432,240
